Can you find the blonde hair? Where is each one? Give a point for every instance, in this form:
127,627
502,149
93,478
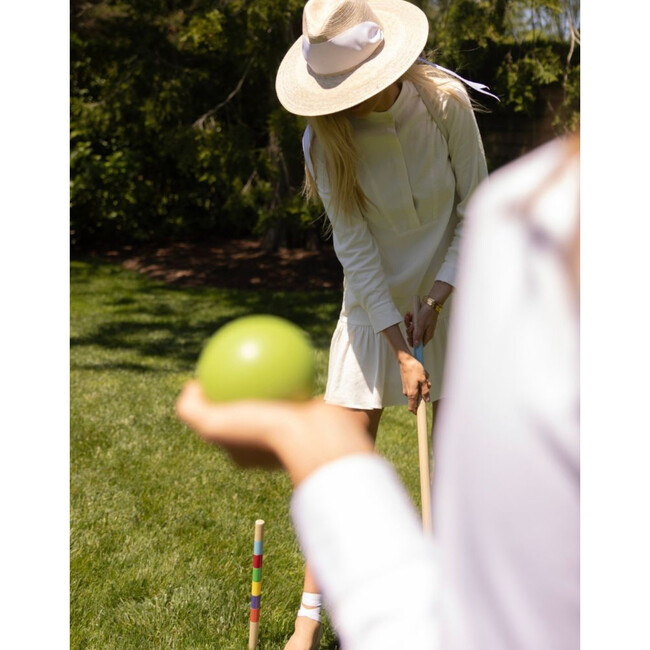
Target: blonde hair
334,132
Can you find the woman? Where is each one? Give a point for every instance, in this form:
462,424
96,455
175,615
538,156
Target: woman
393,151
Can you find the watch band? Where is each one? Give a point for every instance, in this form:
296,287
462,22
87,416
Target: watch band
432,303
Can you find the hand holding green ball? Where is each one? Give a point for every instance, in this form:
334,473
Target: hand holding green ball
257,357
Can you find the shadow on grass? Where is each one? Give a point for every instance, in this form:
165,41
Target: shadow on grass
127,367
135,315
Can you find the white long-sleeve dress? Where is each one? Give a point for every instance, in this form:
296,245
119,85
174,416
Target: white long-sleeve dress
418,183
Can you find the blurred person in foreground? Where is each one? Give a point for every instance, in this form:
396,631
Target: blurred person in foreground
502,569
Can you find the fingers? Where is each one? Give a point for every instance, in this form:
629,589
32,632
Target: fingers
418,330
425,389
414,397
427,335
416,385
189,404
423,333
214,422
408,322
427,319
225,420
242,429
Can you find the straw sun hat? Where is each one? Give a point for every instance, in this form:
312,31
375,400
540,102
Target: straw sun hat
349,51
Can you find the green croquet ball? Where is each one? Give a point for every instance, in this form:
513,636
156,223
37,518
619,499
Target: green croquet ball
257,357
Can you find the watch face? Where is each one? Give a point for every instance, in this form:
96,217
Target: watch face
432,303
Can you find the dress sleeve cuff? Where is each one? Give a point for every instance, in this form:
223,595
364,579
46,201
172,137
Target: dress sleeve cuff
383,316
447,273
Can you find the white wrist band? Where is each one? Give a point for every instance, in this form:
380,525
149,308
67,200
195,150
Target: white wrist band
311,600
311,606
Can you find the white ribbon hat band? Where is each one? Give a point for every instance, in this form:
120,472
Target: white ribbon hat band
345,51
481,88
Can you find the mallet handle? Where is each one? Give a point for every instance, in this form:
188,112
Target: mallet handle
423,438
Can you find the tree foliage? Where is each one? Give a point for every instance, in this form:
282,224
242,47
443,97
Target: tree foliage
177,132
520,46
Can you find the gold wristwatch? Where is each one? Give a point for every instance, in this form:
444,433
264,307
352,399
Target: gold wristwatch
432,303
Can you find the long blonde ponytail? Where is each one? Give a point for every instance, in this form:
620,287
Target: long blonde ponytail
334,133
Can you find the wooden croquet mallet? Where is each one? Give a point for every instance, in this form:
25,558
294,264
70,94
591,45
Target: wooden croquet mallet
256,589
423,436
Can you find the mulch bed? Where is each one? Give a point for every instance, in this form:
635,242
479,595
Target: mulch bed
234,264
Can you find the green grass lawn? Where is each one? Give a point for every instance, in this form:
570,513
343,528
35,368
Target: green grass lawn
162,524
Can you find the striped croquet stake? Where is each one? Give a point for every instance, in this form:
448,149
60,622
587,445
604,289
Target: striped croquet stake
256,590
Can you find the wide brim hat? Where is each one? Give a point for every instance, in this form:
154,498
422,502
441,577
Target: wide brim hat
349,51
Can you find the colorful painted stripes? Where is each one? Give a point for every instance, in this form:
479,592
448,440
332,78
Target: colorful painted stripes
256,588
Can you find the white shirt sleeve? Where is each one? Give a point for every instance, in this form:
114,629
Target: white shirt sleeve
468,164
357,251
506,503
378,572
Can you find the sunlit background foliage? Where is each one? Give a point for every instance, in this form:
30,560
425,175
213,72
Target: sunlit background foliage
176,131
